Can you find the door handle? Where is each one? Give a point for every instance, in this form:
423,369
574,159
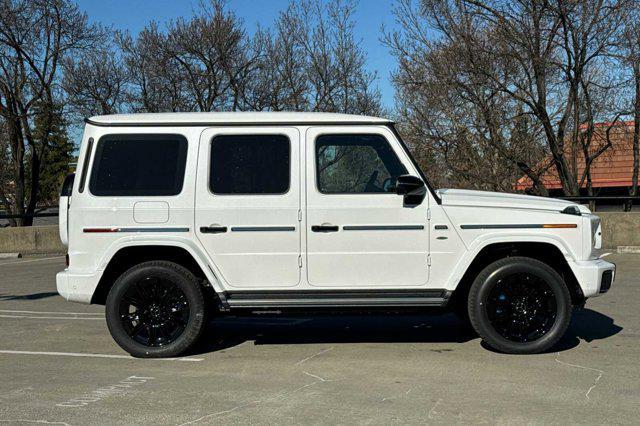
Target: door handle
214,229
324,228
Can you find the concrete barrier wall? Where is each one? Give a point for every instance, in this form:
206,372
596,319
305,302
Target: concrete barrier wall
618,229
31,240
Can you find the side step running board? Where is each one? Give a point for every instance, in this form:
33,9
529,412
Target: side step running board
332,298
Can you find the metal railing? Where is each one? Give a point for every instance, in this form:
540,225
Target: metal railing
25,216
601,198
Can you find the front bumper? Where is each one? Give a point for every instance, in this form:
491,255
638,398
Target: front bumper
594,276
76,287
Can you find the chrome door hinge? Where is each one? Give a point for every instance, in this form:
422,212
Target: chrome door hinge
299,215
429,260
300,261
428,214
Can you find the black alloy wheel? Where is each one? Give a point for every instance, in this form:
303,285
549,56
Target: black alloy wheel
519,305
522,307
156,309
154,312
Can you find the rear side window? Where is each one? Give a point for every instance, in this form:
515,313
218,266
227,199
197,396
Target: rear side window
250,164
67,185
139,165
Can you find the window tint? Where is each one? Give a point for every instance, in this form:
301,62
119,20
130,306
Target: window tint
136,165
85,164
250,164
356,164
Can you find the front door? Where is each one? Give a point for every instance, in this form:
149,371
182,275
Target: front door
359,233
248,205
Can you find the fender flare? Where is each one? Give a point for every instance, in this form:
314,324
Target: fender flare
186,244
487,240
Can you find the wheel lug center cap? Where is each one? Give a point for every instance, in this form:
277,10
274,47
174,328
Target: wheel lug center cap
155,312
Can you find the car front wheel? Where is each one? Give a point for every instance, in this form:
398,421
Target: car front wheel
156,309
519,305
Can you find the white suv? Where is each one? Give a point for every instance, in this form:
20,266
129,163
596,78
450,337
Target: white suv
176,217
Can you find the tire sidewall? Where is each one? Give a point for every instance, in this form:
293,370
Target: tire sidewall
489,278
187,284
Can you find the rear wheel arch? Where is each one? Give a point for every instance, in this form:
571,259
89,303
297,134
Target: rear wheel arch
127,257
547,253
155,310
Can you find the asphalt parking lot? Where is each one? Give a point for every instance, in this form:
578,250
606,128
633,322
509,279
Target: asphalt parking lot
59,365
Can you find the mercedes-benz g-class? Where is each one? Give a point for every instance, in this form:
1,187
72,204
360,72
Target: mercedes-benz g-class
176,217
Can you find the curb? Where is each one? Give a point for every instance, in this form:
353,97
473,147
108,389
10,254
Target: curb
10,255
628,249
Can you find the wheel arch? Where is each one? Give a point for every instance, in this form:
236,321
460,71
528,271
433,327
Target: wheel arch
544,251
124,257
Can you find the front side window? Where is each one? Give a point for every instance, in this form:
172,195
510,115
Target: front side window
139,165
250,164
356,164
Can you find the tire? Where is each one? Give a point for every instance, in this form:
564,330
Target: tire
156,309
519,305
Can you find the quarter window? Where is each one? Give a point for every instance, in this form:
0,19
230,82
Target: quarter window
250,164
139,165
356,164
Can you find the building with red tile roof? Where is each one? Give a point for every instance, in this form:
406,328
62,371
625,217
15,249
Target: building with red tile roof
611,172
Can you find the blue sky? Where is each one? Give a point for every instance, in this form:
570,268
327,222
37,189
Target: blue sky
370,15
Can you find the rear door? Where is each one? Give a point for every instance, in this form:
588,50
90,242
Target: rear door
248,205
359,233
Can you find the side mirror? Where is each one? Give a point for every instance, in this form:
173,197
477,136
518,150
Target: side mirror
412,188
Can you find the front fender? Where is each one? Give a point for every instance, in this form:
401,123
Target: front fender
489,239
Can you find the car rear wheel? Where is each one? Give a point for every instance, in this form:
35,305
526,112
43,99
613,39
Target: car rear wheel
156,309
519,305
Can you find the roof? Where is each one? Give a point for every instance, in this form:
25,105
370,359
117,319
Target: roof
231,118
613,168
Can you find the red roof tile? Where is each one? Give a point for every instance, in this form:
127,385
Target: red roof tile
613,168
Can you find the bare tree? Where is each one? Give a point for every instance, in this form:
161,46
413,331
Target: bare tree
335,70
468,132
279,83
309,61
156,80
202,63
6,172
95,82
630,55
212,51
542,59
312,61
35,36
589,33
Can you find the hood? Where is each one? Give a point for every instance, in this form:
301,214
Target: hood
465,197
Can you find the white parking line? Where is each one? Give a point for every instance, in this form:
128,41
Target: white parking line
8,313
50,313
49,317
85,355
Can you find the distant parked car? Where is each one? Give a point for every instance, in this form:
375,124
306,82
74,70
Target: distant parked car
175,217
